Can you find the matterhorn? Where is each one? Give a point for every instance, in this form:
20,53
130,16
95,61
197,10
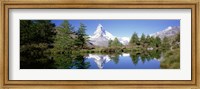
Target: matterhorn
101,37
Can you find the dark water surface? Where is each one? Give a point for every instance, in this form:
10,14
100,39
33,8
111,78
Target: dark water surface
145,60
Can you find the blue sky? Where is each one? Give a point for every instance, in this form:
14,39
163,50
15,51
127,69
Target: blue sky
123,28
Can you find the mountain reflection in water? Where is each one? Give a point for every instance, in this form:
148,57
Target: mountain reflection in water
145,60
100,60
121,61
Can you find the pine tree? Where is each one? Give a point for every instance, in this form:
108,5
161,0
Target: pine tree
67,27
81,39
116,43
158,41
176,41
110,43
64,38
148,40
165,43
142,39
134,39
36,37
36,32
152,41
26,32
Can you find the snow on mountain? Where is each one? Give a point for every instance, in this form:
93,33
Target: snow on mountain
100,41
101,37
169,31
100,60
101,32
124,40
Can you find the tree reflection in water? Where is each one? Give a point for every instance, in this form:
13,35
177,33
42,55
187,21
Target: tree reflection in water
39,60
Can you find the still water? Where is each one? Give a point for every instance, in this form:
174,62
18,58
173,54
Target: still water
146,60
121,61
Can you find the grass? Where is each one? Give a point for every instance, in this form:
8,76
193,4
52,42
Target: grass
172,59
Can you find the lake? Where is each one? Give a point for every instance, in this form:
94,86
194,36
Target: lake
145,60
121,61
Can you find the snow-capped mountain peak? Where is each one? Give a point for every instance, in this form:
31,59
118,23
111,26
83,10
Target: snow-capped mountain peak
168,28
102,36
101,32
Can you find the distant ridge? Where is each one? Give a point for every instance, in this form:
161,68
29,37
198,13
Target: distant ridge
169,31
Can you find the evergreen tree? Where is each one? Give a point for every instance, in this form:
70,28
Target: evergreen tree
152,42
64,38
36,37
176,41
69,29
134,39
142,39
26,29
158,41
110,43
148,40
165,43
81,39
36,32
116,43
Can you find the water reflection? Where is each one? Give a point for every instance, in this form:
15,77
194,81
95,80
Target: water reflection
123,60
100,60
134,60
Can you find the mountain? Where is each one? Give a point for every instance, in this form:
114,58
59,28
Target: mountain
100,60
124,40
169,31
101,37
101,32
